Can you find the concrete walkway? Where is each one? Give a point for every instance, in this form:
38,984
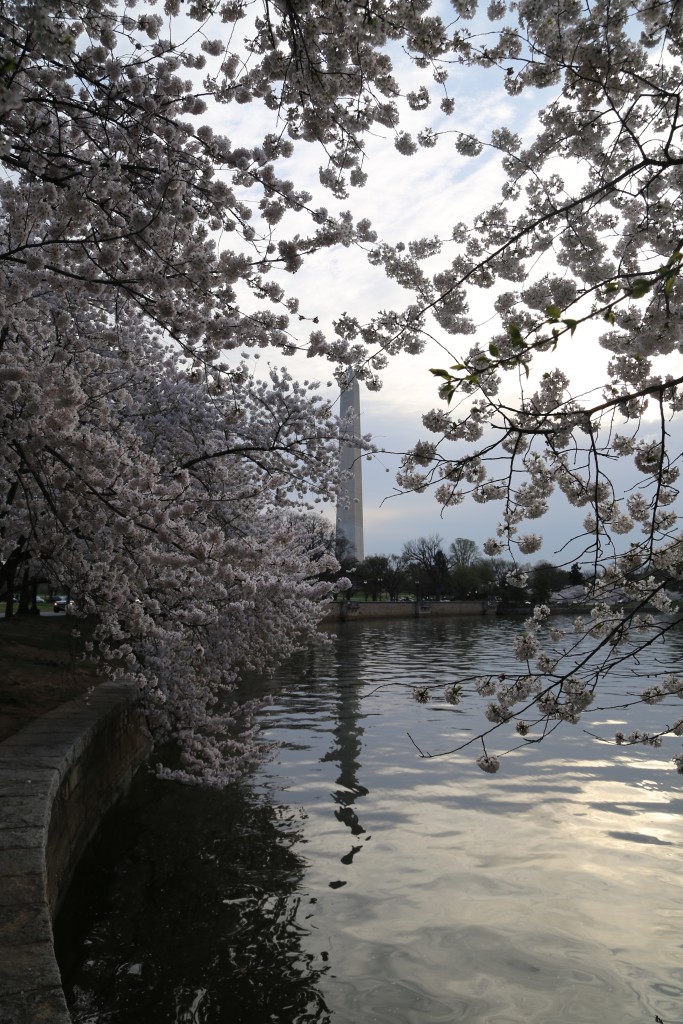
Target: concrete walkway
58,777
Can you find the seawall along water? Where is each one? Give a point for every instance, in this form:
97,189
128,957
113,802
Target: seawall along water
346,611
58,777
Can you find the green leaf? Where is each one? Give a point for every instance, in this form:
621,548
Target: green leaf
515,335
494,350
446,391
612,287
571,324
441,373
554,312
609,316
639,288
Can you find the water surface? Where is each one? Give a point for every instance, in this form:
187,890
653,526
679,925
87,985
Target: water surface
350,880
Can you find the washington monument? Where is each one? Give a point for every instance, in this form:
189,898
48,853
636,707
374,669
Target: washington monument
350,500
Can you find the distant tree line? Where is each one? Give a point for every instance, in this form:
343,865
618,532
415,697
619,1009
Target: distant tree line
428,569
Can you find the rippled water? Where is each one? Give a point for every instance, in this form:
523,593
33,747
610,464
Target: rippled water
351,881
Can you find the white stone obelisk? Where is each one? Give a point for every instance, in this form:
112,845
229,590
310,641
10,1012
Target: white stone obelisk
350,500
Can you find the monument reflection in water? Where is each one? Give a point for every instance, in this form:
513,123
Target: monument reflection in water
350,881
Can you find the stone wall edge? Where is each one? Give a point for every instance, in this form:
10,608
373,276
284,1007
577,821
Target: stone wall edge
58,778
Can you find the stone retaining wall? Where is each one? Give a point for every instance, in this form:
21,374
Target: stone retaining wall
58,777
347,611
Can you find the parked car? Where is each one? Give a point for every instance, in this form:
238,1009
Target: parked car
59,604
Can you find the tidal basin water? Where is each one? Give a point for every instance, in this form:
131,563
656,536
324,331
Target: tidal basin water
348,880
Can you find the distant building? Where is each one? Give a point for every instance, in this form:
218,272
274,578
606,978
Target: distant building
350,500
569,595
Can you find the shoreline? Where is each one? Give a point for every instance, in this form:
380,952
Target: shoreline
58,778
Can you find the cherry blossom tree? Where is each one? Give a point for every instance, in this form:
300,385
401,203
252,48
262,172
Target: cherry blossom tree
582,246
145,466
161,502
147,258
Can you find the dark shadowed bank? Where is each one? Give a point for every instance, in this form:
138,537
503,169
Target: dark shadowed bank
41,667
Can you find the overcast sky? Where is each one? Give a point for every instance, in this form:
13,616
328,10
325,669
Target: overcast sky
407,198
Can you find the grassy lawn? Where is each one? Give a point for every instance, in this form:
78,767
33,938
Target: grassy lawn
40,667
